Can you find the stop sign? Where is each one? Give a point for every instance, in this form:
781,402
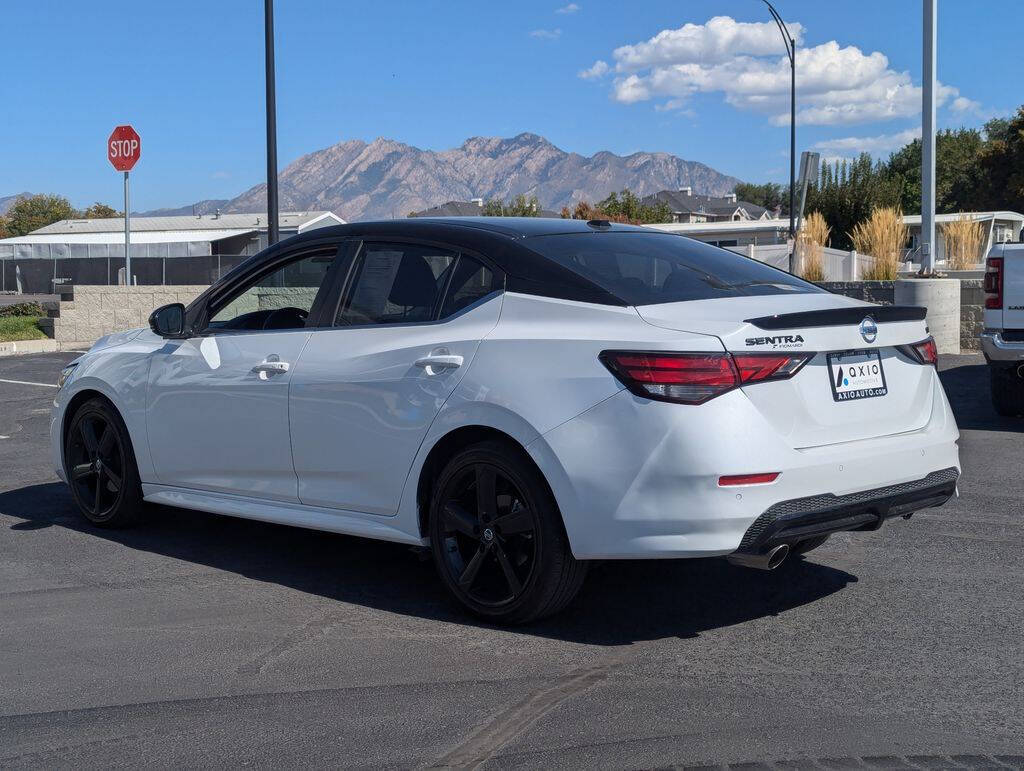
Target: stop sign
124,148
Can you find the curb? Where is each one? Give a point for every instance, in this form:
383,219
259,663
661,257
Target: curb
19,347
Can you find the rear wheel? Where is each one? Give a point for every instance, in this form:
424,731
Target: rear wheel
1007,391
100,466
497,537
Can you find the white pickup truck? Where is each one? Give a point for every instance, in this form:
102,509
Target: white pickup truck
1003,337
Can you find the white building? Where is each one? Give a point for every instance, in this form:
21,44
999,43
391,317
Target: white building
1000,227
188,249
757,232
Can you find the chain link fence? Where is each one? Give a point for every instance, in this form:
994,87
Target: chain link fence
40,275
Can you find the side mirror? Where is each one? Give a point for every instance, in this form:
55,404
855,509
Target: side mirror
168,320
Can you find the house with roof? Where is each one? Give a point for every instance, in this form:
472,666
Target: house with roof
687,207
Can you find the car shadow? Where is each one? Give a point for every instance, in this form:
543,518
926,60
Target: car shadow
967,389
621,603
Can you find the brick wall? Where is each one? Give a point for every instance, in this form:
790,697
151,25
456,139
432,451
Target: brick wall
972,300
96,311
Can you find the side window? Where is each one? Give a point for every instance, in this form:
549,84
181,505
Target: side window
280,299
395,284
471,280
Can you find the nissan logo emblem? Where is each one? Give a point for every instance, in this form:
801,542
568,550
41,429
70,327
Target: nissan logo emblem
868,329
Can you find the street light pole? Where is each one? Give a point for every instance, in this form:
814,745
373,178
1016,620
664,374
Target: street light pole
928,140
272,214
790,44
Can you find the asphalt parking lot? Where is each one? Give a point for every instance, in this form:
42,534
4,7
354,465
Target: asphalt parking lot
199,640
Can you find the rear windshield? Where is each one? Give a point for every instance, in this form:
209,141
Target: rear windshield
649,268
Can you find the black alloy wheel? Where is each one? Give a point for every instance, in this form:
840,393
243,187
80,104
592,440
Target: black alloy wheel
497,537
100,465
490,536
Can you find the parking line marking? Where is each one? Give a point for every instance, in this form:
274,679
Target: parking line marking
26,382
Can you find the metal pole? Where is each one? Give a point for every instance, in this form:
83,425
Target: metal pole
127,235
790,44
792,144
928,140
272,219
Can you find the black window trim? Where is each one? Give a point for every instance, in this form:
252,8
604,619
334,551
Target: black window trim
347,276
224,295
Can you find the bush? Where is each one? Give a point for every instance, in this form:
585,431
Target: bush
21,309
810,246
964,238
20,328
883,236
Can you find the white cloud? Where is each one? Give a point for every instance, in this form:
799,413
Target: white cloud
875,145
962,105
836,85
546,34
596,70
719,40
570,8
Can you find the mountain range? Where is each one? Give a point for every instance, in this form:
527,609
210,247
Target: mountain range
7,201
385,178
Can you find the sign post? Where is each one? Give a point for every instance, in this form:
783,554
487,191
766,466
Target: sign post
123,150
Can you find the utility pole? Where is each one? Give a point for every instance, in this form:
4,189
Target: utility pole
790,44
272,214
928,139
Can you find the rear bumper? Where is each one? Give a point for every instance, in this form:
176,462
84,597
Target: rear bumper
998,349
801,518
636,479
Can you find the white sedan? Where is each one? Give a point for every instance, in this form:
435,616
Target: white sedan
522,396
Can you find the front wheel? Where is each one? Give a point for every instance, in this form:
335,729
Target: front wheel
497,537
100,466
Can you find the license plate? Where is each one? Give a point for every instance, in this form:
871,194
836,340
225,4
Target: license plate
856,375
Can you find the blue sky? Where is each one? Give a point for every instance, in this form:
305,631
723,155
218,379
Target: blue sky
189,76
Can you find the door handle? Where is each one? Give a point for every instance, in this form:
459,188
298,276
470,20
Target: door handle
438,362
265,369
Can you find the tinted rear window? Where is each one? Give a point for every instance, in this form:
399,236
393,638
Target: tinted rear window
649,268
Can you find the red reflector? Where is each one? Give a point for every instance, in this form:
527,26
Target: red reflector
748,479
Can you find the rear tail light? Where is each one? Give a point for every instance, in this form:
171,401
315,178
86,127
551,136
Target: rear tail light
994,283
925,351
694,378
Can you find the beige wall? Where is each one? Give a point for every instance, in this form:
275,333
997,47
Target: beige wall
100,310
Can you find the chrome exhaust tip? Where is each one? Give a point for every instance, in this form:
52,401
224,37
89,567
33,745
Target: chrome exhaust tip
768,560
1020,371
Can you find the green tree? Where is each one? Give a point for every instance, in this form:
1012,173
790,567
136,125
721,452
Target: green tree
1001,164
847,193
100,211
37,211
770,195
958,178
520,206
624,206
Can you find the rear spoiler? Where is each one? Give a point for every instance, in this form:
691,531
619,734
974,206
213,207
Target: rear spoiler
839,317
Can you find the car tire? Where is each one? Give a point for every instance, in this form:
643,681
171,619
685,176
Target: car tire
100,466
806,545
1007,391
497,537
